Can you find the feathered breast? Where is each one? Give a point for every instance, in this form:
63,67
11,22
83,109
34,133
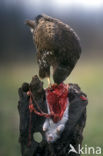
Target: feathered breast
55,35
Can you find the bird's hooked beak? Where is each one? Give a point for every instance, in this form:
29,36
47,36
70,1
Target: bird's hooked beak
49,82
30,23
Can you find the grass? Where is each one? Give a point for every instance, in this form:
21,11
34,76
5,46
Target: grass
88,75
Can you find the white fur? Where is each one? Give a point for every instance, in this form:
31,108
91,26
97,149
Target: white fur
53,130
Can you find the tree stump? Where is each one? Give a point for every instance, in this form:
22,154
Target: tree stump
73,132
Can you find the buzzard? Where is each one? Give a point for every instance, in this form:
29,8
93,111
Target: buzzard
57,45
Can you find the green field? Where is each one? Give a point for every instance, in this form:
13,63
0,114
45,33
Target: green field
88,75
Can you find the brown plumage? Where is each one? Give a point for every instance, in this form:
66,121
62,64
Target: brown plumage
57,46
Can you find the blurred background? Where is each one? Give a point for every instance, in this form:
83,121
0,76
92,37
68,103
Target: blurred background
18,61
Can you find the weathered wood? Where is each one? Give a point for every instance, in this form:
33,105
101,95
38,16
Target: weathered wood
72,133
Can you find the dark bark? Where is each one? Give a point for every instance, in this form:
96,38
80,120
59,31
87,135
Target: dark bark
73,132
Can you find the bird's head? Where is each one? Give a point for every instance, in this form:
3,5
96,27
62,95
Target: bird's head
33,23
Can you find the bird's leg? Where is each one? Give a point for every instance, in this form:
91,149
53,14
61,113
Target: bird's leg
49,82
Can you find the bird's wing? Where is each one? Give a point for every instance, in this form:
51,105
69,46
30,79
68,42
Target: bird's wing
45,34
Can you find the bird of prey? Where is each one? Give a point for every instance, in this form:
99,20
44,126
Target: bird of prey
57,45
